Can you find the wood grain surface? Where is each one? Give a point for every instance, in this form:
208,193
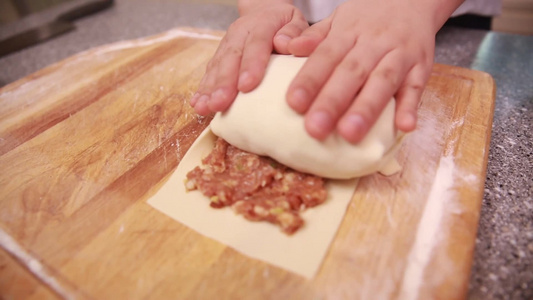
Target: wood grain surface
85,142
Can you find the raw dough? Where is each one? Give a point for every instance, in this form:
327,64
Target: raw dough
262,122
301,253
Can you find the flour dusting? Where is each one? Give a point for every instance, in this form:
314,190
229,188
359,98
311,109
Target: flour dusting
34,265
428,229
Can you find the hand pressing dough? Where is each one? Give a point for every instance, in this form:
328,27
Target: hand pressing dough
301,253
262,122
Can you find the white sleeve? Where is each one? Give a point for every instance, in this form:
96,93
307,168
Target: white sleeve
316,10
488,8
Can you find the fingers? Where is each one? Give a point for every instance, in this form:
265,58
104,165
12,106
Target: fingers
408,98
202,96
242,57
309,39
378,90
257,50
224,64
240,63
224,79
293,29
340,90
259,46
316,71
201,107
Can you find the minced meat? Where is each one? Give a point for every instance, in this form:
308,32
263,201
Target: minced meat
256,187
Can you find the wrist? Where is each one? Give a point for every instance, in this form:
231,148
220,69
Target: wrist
439,10
245,6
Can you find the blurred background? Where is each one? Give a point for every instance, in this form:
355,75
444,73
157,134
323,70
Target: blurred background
516,17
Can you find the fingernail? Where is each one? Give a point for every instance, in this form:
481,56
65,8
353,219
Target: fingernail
319,124
244,80
408,122
217,98
201,106
218,94
203,99
299,100
283,38
352,126
194,99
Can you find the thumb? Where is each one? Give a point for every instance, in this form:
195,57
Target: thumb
310,38
291,30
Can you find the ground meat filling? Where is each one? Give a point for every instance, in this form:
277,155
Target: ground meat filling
256,187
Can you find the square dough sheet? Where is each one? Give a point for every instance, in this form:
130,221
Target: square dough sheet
301,253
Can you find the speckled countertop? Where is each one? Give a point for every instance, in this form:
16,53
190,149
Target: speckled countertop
503,262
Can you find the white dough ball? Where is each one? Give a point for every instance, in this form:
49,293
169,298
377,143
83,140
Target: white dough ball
262,122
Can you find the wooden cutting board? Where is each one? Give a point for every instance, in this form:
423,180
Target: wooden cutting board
85,142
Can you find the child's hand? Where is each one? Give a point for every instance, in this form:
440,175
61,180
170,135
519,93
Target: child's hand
241,59
359,57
